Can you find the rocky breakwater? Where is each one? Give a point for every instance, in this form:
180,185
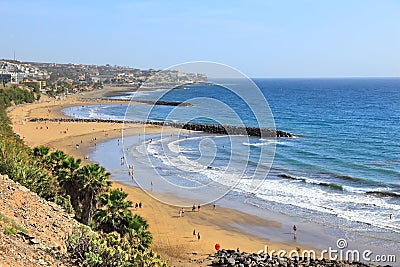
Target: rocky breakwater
164,103
233,258
228,129
32,230
207,128
148,102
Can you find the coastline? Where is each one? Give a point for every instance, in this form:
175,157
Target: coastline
232,225
172,235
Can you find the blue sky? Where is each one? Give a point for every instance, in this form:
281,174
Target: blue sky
260,38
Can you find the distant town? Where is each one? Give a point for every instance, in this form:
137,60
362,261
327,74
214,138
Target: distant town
56,79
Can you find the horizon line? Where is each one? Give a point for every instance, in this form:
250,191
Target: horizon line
272,77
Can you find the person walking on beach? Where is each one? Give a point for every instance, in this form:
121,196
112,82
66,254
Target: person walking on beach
198,236
193,208
198,208
140,204
294,231
194,233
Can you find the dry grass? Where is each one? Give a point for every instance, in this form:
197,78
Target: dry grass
10,226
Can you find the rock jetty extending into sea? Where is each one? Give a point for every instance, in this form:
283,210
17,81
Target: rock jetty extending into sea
208,128
227,129
148,102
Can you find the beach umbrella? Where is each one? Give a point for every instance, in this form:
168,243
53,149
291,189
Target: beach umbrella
217,246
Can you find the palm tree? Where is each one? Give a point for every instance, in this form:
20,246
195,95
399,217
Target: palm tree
69,181
140,227
116,214
56,160
41,151
93,180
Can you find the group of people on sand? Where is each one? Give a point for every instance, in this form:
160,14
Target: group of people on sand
198,207
138,205
47,127
130,171
181,211
194,207
196,235
93,140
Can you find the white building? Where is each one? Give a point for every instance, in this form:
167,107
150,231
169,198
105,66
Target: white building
17,77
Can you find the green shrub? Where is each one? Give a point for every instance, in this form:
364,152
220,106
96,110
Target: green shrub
65,203
88,248
60,178
15,227
9,231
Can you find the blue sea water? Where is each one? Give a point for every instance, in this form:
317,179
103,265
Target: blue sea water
344,167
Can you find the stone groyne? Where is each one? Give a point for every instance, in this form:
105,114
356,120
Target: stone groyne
164,103
148,102
208,128
227,129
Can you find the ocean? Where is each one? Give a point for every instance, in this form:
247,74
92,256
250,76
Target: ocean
342,171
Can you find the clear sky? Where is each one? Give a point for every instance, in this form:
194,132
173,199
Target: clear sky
298,38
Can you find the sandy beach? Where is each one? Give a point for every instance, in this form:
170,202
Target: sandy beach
173,237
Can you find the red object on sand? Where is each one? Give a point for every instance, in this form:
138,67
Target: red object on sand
217,246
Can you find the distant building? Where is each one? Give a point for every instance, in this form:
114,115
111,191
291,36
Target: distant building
17,77
103,77
96,79
87,78
41,83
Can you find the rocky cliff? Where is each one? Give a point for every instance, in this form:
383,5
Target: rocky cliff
32,230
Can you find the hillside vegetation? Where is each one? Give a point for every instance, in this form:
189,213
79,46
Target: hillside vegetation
113,235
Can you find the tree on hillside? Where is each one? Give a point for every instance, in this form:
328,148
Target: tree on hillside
68,179
93,180
115,215
140,227
56,161
41,151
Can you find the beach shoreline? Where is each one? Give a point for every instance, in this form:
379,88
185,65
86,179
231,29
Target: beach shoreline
231,225
177,247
